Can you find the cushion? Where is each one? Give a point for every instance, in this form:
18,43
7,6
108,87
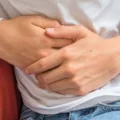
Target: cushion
9,95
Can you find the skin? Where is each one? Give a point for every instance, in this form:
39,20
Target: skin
23,40
82,67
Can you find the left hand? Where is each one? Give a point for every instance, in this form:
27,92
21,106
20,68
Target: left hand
87,64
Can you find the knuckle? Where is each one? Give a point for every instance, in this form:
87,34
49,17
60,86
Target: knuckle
43,54
70,69
41,64
75,82
82,91
67,54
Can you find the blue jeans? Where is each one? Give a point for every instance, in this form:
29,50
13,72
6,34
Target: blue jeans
102,111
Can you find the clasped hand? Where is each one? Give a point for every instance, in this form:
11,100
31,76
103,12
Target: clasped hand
79,68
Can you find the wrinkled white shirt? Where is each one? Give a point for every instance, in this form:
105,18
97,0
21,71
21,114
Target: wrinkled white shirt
101,16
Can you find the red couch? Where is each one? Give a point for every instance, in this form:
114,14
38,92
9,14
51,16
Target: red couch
9,95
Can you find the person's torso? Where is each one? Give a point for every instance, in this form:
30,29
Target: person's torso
100,16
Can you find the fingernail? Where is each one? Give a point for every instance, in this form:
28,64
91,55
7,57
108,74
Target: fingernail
50,30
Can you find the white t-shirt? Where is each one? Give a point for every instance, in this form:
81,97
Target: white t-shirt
101,16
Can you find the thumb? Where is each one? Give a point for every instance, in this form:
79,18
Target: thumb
68,32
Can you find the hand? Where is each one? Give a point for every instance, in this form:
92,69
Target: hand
79,68
23,40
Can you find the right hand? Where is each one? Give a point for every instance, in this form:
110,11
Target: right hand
23,40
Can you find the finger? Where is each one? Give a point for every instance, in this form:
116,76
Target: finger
41,54
59,43
61,85
46,52
43,22
55,43
52,76
45,64
68,32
